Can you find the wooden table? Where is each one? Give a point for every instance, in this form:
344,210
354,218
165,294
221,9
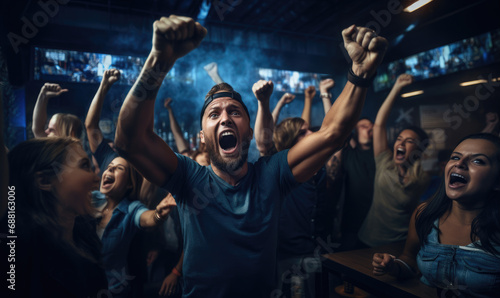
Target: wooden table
356,267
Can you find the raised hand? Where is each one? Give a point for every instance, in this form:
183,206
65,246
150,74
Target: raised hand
365,48
263,90
111,76
176,36
165,206
50,90
326,85
167,102
310,91
287,98
404,80
382,263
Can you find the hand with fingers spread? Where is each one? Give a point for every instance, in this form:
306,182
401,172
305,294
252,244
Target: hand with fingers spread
50,90
263,90
383,263
111,76
365,48
176,36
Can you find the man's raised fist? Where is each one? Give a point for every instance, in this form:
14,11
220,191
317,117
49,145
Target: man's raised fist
365,48
263,90
176,36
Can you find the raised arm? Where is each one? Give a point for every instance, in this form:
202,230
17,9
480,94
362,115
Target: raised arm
285,99
94,133
379,127
309,94
405,266
309,155
324,88
48,91
181,143
135,139
264,124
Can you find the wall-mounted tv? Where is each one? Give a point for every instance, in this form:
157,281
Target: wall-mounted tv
461,55
289,80
86,67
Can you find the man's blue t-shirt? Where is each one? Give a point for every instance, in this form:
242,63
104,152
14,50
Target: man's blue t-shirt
304,218
230,232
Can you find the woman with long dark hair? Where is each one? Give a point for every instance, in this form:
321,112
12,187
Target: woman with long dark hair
454,238
58,251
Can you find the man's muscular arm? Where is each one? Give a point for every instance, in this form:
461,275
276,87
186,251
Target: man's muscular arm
264,124
309,155
135,139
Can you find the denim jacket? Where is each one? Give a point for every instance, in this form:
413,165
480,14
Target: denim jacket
467,271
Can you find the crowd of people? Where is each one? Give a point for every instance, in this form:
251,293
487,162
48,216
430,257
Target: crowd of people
136,219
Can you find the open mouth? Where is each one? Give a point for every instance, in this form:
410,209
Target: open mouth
400,153
107,181
457,180
228,141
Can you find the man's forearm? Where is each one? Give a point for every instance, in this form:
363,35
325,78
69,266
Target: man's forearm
137,113
264,126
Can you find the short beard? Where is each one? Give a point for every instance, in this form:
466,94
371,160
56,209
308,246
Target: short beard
230,167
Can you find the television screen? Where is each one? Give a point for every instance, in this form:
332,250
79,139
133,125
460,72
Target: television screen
465,54
86,67
289,80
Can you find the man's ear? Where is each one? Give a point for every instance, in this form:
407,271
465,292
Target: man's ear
202,137
251,134
43,182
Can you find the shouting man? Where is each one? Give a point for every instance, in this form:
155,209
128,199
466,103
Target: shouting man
229,210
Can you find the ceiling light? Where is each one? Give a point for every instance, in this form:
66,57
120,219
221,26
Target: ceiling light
475,82
414,93
417,5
